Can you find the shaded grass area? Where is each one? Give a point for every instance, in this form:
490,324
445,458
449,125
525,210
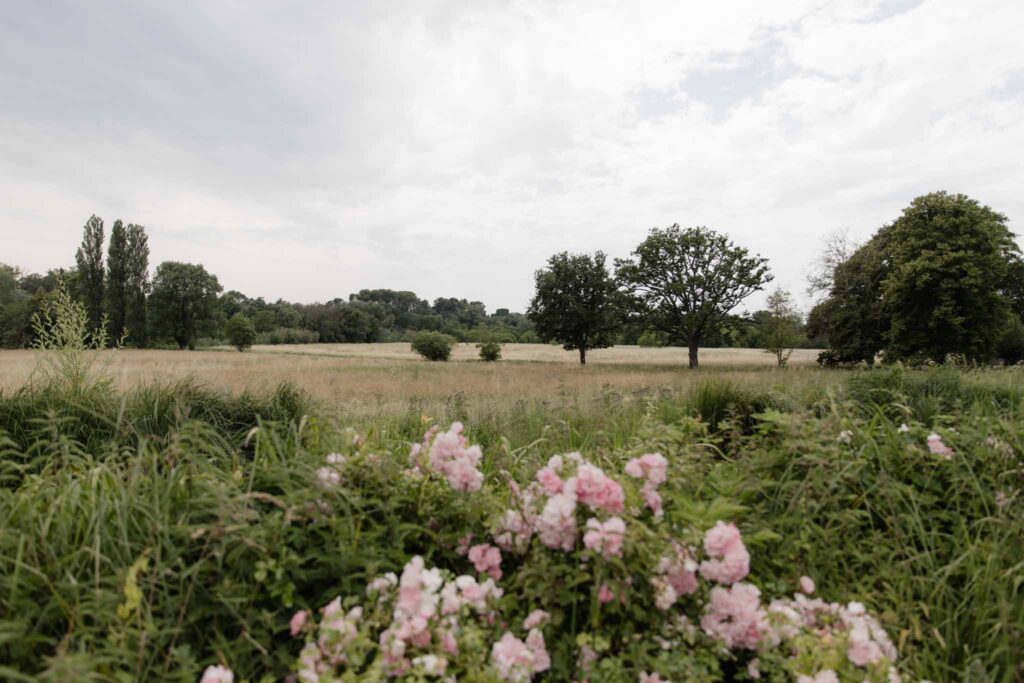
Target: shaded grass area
227,535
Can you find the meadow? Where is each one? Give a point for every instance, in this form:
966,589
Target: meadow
176,511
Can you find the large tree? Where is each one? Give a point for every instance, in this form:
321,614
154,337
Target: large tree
89,261
949,258
184,301
136,283
117,280
684,281
851,319
576,303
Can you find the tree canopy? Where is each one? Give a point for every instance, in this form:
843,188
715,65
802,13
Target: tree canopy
684,281
183,302
576,303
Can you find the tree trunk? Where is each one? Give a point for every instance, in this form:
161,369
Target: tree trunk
694,342
583,355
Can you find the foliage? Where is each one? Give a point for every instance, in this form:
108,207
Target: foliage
433,345
63,333
240,332
183,302
136,284
1010,343
685,281
781,329
576,303
489,350
288,335
117,280
948,260
211,541
89,262
851,319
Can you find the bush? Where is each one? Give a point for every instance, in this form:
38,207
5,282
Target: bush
240,332
288,335
489,350
433,345
651,338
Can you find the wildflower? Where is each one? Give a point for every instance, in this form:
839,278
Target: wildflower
824,676
862,650
904,428
487,559
679,571
664,594
652,466
605,594
845,436
217,674
516,661
535,619
449,454
652,678
298,622
335,459
731,561
550,480
735,617
556,524
754,668
597,490
605,538
328,477
432,665
937,447
652,499
807,585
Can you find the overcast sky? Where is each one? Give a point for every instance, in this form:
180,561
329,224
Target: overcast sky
305,150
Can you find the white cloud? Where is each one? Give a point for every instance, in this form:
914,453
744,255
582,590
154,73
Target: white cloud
450,147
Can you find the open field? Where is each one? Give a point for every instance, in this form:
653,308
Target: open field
372,377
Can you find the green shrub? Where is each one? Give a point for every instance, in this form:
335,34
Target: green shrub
651,338
240,332
433,345
489,350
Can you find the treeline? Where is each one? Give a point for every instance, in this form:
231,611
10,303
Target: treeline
183,305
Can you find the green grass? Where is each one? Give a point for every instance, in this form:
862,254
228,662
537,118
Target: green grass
209,496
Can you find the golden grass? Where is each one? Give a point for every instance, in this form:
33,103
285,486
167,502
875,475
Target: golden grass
369,378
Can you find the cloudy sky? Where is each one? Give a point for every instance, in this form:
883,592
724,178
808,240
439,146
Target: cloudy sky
307,150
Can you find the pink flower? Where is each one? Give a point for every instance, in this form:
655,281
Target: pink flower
605,538
605,594
938,447
824,676
807,585
735,617
754,668
298,622
550,480
217,674
328,477
516,661
862,650
731,561
535,619
652,499
597,490
652,466
556,524
486,558
449,454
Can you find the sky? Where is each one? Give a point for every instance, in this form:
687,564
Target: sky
306,150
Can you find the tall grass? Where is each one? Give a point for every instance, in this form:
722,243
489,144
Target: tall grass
149,533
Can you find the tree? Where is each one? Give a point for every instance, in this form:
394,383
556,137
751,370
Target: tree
183,302
240,332
949,258
117,280
433,345
838,247
89,261
576,303
265,320
780,331
684,281
851,319
136,283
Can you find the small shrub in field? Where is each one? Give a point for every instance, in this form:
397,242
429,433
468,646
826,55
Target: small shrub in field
489,350
240,332
433,345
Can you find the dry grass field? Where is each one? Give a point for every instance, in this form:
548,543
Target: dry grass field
370,378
